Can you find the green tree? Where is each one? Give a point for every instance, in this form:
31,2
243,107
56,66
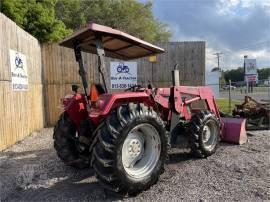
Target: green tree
71,12
263,73
234,74
222,80
130,16
238,74
36,17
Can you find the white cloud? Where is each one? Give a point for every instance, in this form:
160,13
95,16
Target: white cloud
235,59
234,27
227,7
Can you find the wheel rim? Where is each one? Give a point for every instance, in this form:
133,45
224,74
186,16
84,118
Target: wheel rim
141,150
209,136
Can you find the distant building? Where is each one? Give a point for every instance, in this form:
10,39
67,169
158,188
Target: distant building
212,80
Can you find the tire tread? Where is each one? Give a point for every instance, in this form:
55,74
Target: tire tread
105,146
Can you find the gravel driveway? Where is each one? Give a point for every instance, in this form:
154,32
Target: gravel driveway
31,171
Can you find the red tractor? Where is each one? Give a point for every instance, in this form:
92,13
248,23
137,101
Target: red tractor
125,136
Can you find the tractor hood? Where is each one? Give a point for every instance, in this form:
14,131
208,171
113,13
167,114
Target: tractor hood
116,44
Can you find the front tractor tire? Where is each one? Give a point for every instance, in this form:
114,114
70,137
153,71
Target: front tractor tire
130,149
204,134
64,145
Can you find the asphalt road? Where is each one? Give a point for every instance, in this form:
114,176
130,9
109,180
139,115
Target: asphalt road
31,171
237,95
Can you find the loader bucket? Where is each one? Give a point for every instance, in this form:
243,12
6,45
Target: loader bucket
234,130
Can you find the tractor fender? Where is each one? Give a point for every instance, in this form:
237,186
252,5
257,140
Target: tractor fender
75,106
107,102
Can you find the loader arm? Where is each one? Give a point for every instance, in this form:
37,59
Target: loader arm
180,98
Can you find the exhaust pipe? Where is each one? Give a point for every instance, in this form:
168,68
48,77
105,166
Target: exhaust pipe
175,76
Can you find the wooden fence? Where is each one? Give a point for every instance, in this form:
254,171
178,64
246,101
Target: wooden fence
21,112
61,70
190,57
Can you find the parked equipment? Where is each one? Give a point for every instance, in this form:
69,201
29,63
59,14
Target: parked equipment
256,113
125,136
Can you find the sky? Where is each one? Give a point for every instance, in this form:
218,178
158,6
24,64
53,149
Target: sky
233,27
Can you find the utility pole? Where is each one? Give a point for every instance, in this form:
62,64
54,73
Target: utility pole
219,69
218,56
245,78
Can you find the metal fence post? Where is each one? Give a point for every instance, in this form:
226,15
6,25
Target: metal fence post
269,89
269,95
247,87
230,84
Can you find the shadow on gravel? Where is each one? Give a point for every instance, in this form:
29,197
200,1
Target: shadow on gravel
38,175
179,157
31,171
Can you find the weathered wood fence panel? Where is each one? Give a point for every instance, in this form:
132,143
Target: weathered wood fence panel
190,57
61,70
21,112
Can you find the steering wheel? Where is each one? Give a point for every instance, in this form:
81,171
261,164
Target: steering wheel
132,88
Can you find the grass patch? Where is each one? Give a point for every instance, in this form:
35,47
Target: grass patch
223,105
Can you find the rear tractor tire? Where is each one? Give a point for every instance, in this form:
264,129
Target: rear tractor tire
64,144
204,134
130,149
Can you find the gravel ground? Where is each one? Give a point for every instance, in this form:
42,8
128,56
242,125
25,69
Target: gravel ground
31,171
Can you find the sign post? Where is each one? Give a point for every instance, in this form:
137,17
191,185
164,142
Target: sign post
269,88
230,97
123,74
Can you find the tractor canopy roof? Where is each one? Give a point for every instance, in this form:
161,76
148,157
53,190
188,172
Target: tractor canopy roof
116,44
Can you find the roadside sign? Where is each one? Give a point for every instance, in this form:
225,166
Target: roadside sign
250,66
251,74
252,77
123,74
19,75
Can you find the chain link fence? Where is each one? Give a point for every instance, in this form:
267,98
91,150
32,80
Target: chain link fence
228,94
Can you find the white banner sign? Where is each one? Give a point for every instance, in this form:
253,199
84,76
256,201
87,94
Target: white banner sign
250,65
251,78
19,76
123,74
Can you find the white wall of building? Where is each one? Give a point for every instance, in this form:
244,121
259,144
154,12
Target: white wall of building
212,80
